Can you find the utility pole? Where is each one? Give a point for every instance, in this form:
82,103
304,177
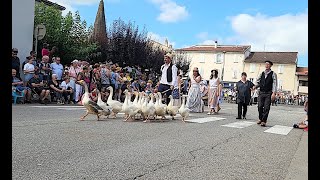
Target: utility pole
224,58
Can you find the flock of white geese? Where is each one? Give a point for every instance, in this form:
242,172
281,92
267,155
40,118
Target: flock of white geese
145,107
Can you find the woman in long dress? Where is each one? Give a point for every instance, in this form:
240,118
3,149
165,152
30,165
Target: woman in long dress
214,92
194,100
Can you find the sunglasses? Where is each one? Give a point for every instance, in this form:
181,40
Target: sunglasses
195,71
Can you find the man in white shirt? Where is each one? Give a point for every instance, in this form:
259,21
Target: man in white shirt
169,73
67,90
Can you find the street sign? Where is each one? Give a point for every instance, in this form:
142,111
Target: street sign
39,31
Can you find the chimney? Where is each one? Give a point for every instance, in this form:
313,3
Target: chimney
215,44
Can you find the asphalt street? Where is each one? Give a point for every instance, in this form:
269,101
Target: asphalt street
50,142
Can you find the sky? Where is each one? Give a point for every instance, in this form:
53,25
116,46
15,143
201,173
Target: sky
271,25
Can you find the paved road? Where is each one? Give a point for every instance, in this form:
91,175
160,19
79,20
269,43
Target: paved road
49,142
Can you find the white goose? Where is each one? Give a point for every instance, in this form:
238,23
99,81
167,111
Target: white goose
116,105
125,105
91,106
171,109
131,109
103,105
160,108
151,109
183,110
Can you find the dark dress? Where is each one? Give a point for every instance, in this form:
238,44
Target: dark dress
244,92
243,97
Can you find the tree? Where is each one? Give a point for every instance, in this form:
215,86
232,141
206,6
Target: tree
128,46
68,33
182,61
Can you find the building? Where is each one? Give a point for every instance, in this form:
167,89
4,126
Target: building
284,64
302,80
227,59
163,47
23,25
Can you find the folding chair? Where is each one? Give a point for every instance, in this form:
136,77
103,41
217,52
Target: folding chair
16,95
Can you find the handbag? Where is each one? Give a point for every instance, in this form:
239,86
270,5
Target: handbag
175,94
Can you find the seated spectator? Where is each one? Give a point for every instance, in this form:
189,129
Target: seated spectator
55,88
303,124
40,88
149,88
67,90
19,87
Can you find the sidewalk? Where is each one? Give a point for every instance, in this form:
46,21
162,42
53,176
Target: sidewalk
298,169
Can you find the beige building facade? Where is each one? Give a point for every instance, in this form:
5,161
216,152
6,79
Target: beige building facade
284,64
232,60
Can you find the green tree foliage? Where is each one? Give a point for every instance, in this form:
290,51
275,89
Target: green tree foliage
128,46
182,61
68,33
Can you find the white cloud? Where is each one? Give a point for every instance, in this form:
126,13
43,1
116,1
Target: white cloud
159,38
279,33
170,11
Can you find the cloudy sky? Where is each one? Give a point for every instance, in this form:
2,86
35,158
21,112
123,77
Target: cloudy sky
271,25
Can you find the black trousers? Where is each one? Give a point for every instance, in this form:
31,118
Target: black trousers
164,87
242,106
264,102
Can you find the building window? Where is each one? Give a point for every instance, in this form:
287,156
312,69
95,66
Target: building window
279,84
234,74
280,68
202,59
303,83
235,58
252,68
219,58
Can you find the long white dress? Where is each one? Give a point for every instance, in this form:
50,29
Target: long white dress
194,100
213,88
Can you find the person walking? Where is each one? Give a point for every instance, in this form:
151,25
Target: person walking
243,88
267,81
194,100
213,92
168,79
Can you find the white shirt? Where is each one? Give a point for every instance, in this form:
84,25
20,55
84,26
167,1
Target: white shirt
163,79
65,85
29,67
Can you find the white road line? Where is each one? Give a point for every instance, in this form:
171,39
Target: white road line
62,106
240,124
278,129
69,109
204,120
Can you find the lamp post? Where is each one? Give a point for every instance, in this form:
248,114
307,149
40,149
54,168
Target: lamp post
222,73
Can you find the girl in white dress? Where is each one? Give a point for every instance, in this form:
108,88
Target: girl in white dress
194,100
214,92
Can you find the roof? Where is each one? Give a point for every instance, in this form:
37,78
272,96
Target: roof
219,48
274,57
302,71
49,3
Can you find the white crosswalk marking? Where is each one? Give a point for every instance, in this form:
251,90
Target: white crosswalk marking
240,124
278,129
204,120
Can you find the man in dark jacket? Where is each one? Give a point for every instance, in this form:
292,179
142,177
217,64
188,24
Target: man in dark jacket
16,62
243,88
267,81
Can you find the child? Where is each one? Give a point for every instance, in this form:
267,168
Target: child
149,88
303,124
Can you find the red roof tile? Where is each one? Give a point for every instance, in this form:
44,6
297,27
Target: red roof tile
213,49
275,57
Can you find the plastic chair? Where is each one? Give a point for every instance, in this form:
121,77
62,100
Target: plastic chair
16,95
